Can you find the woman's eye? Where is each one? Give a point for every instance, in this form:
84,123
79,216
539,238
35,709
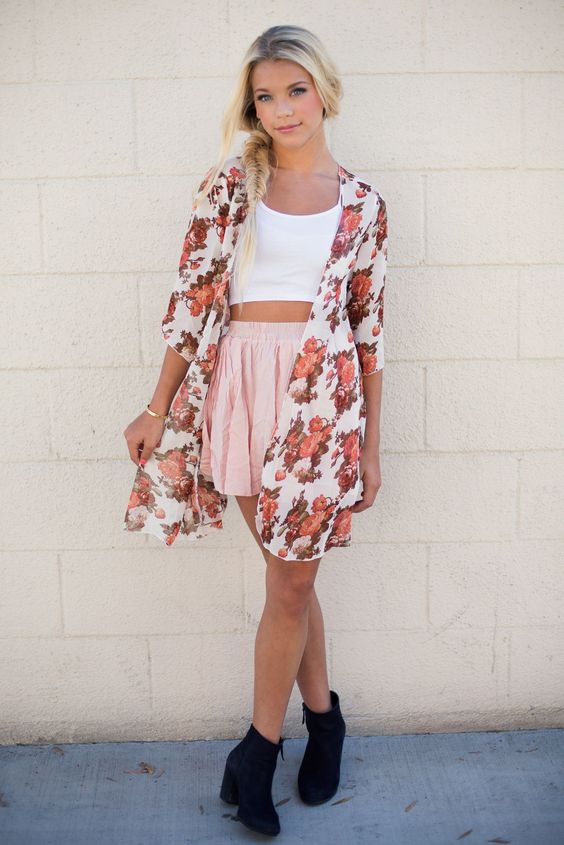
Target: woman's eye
301,90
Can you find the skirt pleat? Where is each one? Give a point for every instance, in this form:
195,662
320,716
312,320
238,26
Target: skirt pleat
244,399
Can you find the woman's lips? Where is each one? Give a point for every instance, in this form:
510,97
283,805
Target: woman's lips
289,128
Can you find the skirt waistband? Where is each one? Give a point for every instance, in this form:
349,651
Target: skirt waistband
256,328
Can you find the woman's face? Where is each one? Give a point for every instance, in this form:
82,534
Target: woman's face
284,95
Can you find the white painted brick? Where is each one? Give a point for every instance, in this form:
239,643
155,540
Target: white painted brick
182,144
154,295
430,121
450,497
138,592
25,425
518,583
82,680
404,194
339,32
67,130
415,672
541,495
77,40
203,676
543,128
69,505
49,321
29,598
16,40
360,588
20,229
452,313
495,405
402,417
500,217
104,401
116,225
532,585
537,667
81,505
541,298
465,580
486,36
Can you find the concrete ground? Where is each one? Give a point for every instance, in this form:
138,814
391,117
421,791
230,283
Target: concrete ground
422,789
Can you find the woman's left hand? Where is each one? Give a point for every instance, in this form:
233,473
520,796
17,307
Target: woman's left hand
371,480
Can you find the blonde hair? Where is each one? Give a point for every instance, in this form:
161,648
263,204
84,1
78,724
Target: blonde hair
293,43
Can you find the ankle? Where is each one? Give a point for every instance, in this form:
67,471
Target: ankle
320,703
267,733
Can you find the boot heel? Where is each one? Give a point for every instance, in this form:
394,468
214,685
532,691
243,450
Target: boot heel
247,781
229,791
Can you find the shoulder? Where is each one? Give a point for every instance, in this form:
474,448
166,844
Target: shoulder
368,192
234,165
232,174
228,178
371,189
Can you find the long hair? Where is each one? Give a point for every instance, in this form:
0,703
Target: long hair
293,43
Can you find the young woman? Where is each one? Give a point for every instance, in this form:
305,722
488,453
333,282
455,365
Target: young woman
286,250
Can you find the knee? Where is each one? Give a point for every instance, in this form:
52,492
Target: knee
291,592
292,598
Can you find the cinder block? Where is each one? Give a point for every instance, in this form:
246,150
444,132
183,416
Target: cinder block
493,37
453,120
138,592
541,298
536,667
503,405
500,217
452,313
414,673
203,676
78,680
541,495
76,129
443,497
25,425
21,233
30,595
111,39
77,321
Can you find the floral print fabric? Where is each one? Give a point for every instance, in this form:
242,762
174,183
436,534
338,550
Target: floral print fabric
310,477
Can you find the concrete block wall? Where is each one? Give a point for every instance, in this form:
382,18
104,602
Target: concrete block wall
447,612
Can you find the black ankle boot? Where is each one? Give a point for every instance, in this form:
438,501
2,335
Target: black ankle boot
247,781
320,771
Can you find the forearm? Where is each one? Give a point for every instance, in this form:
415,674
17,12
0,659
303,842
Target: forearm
373,396
173,370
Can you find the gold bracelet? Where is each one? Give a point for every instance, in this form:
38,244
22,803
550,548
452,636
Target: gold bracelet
159,416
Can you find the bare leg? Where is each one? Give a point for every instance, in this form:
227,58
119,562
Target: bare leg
312,676
280,640
312,671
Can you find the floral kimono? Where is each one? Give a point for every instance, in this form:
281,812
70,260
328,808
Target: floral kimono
310,476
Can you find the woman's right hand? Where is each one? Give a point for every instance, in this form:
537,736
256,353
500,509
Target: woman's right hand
143,434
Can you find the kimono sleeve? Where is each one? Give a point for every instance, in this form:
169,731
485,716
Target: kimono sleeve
365,294
200,263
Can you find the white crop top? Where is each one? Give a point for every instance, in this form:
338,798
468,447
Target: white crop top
292,251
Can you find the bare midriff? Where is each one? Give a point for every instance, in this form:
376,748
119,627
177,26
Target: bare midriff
271,311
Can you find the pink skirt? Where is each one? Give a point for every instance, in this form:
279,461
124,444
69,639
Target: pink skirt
248,384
